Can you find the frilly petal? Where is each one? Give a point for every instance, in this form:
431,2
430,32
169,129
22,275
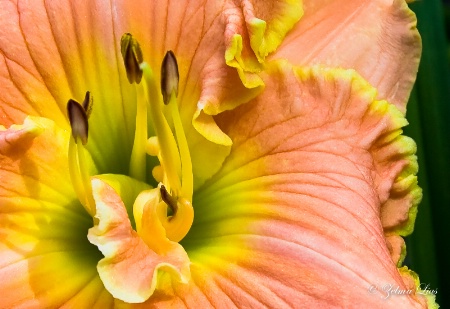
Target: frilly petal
378,39
130,269
43,227
395,154
298,203
293,218
253,30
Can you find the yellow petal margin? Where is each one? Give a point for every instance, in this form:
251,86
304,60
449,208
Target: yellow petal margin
254,29
268,22
315,160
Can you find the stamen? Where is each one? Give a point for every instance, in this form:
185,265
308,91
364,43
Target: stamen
78,170
169,89
78,121
169,155
169,76
152,223
132,57
187,181
175,171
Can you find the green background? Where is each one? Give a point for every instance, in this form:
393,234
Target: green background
429,117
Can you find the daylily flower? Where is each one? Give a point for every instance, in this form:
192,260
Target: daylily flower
206,154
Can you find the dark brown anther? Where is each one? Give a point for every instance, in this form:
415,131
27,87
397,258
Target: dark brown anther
88,103
132,57
169,76
78,121
169,199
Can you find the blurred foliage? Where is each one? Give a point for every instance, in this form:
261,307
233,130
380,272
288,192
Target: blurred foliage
429,116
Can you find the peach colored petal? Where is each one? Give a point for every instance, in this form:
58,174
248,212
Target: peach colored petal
397,248
42,225
293,218
307,186
34,163
23,89
130,269
378,39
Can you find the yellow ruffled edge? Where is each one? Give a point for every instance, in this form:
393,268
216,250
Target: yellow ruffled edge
246,67
430,295
267,36
405,184
264,38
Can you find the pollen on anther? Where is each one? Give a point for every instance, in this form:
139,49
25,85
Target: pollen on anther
132,57
88,103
